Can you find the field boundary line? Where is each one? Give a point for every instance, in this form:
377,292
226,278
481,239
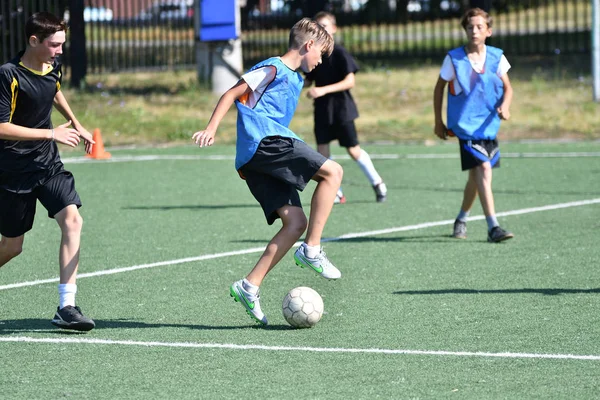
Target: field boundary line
334,239
230,346
174,157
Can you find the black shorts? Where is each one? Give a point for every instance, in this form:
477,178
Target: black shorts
475,152
280,167
344,132
18,210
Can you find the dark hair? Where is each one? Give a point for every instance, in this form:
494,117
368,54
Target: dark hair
475,12
42,25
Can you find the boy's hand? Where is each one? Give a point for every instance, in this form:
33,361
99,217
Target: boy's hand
315,93
441,131
204,138
65,135
503,112
87,138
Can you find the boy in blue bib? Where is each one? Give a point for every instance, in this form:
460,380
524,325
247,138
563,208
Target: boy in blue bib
276,163
479,96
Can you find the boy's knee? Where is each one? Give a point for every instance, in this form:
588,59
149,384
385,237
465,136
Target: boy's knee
72,223
337,172
10,247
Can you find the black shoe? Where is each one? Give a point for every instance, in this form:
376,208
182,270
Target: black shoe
380,192
498,234
460,230
70,317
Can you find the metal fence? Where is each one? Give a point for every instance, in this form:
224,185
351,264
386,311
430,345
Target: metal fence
431,28
126,35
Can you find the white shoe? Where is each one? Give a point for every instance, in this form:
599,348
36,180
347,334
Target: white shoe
250,301
339,197
320,264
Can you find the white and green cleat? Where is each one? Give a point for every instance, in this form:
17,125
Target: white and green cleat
320,264
249,301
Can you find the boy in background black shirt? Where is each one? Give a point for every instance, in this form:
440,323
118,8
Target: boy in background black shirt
335,109
30,166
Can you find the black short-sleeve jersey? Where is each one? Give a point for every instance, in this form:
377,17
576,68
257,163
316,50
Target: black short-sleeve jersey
339,107
26,99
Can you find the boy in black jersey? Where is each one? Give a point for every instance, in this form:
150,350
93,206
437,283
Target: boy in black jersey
335,109
30,166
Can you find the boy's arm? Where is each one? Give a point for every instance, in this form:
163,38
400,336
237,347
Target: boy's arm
62,134
207,136
345,84
61,104
438,95
504,109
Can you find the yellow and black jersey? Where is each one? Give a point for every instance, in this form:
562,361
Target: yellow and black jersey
26,99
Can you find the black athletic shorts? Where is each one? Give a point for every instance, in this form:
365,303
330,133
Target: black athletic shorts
475,152
344,132
18,210
280,167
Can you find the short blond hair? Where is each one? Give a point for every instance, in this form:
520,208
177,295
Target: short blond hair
306,29
475,12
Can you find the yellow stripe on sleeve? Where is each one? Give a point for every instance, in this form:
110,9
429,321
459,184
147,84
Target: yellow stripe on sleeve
14,89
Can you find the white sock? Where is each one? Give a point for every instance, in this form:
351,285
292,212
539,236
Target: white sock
311,251
249,287
365,163
66,294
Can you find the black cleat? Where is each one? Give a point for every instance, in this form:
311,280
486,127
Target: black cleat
380,192
70,317
497,235
460,230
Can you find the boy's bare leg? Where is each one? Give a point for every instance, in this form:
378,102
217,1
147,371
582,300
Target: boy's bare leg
329,179
470,192
294,225
324,150
10,248
70,223
483,178
354,152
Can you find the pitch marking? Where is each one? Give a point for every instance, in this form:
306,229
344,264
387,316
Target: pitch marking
229,346
335,239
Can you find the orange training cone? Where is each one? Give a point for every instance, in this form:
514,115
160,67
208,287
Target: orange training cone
98,148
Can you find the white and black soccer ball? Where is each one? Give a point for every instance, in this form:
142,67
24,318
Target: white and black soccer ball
302,307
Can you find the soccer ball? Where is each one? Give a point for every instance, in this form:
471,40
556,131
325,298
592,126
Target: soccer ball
302,307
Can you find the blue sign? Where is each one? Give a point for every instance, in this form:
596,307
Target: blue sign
217,20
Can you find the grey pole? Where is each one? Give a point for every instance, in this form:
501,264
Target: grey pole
227,60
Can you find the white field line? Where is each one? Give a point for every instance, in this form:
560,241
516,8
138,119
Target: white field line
229,346
334,239
130,158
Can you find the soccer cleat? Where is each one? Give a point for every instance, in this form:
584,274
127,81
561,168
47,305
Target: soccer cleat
249,301
70,317
380,192
497,235
339,197
460,230
321,264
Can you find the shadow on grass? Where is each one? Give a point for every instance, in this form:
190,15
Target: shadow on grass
460,190
44,326
545,292
192,207
367,239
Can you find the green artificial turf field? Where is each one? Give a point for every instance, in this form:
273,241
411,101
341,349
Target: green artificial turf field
415,315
